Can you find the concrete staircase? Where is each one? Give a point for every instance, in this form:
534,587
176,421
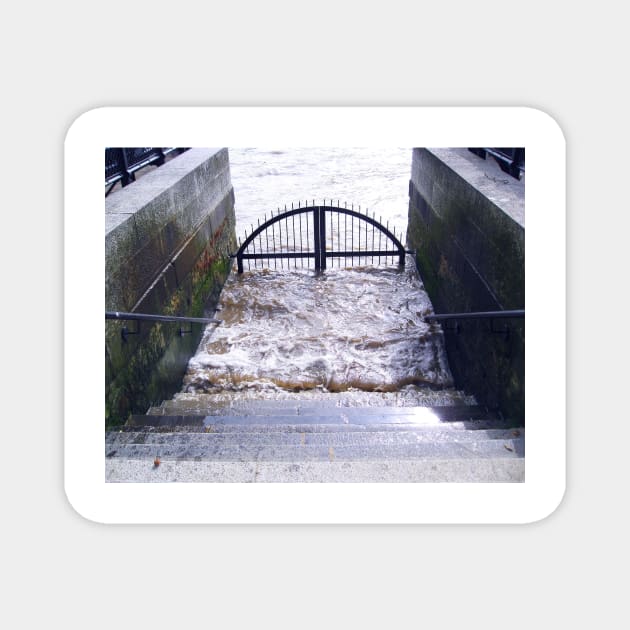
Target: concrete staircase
296,440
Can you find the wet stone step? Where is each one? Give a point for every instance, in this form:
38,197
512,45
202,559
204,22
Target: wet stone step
305,438
242,403
212,424
270,408
428,470
197,449
314,408
326,415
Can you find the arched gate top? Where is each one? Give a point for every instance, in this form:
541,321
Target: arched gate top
319,232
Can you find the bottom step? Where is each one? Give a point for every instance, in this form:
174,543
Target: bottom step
417,471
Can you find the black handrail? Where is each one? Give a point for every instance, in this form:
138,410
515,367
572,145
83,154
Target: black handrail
140,317
475,315
159,318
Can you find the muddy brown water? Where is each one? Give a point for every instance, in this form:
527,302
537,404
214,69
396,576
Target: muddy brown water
358,333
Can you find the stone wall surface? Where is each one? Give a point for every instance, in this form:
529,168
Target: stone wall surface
467,226
168,237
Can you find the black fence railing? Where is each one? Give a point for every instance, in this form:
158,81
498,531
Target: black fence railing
511,161
122,164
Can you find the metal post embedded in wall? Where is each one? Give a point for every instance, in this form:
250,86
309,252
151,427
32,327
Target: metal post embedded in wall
125,332
501,331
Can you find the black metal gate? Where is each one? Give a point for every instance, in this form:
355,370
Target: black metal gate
316,234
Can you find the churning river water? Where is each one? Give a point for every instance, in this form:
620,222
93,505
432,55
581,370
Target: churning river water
352,332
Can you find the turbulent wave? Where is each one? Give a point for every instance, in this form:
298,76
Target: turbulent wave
347,329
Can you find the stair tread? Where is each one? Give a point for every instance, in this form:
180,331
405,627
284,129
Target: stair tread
239,428
324,415
268,447
428,470
312,435
185,402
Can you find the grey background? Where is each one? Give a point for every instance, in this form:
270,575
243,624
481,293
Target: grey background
65,58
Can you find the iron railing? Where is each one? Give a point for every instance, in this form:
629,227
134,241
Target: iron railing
511,161
122,164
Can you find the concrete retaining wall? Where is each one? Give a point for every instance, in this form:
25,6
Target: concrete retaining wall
167,242
467,225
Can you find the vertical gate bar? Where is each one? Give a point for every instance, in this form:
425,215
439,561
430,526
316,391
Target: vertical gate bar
394,243
316,237
280,230
332,236
359,227
352,240
262,262
380,222
322,238
301,249
308,236
273,239
239,260
254,247
345,238
293,224
267,239
366,239
248,263
373,214
359,238
286,227
338,235
286,231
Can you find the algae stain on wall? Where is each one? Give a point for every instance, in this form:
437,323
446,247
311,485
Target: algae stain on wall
149,366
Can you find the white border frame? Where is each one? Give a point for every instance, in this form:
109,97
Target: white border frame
545,270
